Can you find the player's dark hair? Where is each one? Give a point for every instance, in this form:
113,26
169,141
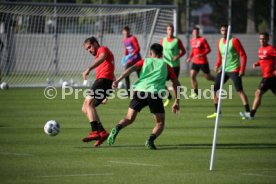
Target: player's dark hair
196,28
91,40
171,26
157,49
265,34
126,28
224,25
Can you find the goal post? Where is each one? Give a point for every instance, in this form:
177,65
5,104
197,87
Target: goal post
43,43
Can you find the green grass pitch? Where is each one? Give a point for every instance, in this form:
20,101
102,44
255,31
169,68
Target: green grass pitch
246,151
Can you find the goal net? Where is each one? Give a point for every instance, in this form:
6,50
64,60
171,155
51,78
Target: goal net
42,44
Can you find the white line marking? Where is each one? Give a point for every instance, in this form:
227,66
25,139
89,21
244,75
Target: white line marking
262,175
133,163
264,169
15,154
77,175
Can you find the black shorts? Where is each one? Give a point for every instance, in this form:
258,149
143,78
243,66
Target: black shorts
143,99
128,65
234,76
204,67
176,71
268,83
100,90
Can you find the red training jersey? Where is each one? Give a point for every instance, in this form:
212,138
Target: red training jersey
200,49
267,56
171,73
106,68
239,48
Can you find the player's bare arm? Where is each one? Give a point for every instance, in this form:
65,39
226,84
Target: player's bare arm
255,65
216,69
175,85
124,74
219,60
94,64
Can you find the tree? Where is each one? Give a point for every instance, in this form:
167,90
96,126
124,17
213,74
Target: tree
250,28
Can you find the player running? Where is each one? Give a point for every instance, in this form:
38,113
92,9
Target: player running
148,92
173,51
267,55
132,53
200,49
234,69
104,66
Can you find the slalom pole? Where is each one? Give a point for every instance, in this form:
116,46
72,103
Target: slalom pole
219,99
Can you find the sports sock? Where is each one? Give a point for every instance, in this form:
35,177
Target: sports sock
247,109
252,113
152,137
169,96
216,107
94,125
118,127
100,127
196,91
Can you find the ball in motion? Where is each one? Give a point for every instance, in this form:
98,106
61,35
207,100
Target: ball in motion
52,128
4,86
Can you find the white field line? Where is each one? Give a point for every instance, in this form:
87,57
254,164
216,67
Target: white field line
15,154
261,175
263,169
135,163
76,175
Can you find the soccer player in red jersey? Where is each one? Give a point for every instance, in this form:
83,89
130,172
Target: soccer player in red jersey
173,51
267,56
234,68
102,87
132,52
200,49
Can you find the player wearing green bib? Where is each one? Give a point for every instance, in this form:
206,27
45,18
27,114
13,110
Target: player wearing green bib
173,51
234,69
148,92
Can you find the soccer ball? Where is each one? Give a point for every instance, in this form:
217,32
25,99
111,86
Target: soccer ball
4,86
121,85
65,84
51,128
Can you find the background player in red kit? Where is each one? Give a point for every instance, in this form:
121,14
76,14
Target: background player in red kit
267,56
104,66
132,52
200,49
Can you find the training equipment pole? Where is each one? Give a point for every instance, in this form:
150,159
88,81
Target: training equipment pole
219,99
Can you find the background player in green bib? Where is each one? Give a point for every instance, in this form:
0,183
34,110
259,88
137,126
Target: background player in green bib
173,50
234,68
148,92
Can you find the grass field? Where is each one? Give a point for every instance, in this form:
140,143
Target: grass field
246,151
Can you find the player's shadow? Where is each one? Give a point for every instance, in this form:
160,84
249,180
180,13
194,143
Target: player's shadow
219,146
192,146
4,126
104,146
